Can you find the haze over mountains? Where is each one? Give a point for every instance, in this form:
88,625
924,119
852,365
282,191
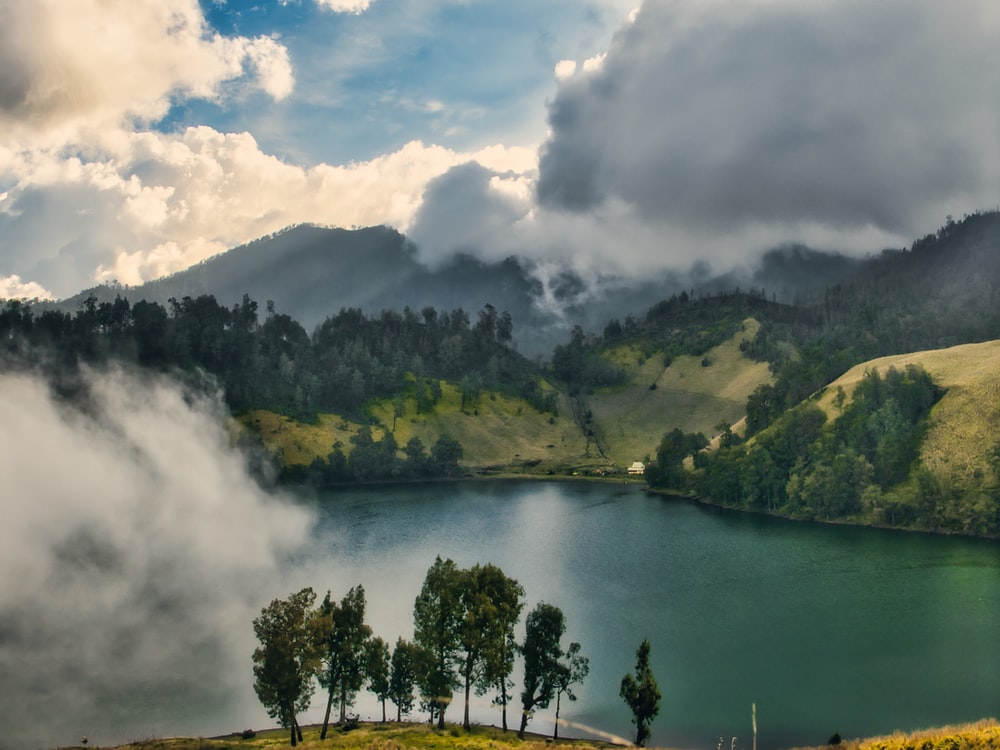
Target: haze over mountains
312,272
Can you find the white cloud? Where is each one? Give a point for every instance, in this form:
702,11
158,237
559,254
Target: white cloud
74,68
146,204
13,287
565,69
345,6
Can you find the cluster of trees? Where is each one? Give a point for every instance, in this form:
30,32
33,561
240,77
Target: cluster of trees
802,465
349,359
372,459
464,639
463,623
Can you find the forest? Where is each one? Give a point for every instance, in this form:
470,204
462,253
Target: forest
786,460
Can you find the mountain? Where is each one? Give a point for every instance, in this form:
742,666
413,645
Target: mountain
311,272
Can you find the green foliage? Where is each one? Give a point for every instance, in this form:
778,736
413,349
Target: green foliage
573,670
491,606
275,365
287,659
668,471
544,628
642,694
859,463
403,676
377,669
343,639
437,622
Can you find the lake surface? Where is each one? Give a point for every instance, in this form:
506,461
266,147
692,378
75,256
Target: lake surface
827,629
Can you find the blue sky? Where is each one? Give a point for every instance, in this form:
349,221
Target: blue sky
461,75
614,136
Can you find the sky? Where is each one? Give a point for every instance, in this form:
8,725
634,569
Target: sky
140,136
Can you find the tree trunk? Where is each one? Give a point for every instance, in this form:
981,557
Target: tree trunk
298,729
441,707
555,726
465,723
383,710
524,724
503,702
326,716
343,705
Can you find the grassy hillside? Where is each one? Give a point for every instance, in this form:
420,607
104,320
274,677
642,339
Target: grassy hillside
498,432
505,433
959,445
983,735
692,393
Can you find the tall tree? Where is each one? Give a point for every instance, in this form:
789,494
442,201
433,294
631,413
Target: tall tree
574,669
641,694
437,618
403,676
508,600
286,660
377,670
543,629
491,605
343,640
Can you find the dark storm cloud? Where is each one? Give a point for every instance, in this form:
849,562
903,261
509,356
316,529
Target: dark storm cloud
715,115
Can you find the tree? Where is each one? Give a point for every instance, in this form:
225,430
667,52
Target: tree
543,629
286,660
491,605
507,596
377,670
343,641
641,694
575,669
437,617
403,675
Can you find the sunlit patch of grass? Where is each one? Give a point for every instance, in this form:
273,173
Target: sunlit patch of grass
299,443
693,393
980,735
391,736
962,428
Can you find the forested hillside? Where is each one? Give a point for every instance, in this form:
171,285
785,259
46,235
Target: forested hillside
405,394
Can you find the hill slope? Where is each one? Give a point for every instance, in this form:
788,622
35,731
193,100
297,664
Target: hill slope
960,446
504,433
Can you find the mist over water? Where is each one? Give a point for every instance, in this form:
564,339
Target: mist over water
134,552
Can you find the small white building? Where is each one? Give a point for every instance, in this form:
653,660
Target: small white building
638,468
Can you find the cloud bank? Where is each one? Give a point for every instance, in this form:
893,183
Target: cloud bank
712,130
708,132
134,553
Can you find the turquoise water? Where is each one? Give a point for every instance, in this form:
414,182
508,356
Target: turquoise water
827,629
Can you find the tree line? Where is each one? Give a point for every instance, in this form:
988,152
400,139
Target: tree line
272,363
464,641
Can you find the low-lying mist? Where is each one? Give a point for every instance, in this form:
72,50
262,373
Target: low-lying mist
135,550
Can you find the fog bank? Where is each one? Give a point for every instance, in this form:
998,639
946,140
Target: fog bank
134,552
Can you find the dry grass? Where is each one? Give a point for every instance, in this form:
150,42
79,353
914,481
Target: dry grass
390,736
298,443
632,419
962,429
980,735
508,435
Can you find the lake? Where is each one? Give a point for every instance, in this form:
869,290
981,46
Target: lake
825,628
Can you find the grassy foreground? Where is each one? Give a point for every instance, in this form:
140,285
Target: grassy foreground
981,735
